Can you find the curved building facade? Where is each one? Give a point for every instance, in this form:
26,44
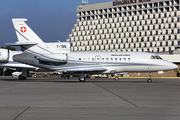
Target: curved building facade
127,25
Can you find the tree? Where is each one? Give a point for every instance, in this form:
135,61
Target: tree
9,47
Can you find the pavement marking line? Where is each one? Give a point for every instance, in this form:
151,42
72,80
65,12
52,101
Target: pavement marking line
21,113
116,95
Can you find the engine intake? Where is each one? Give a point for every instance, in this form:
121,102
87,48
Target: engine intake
4,55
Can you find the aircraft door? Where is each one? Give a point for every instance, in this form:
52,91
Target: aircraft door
98,59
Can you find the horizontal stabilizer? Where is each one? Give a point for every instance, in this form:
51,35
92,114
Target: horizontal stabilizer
21,43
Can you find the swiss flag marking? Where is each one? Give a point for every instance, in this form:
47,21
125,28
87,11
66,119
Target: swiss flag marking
23,29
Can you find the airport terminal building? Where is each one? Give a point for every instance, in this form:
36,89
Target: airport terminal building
127,25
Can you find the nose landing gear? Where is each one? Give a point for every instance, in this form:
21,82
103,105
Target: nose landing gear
149,80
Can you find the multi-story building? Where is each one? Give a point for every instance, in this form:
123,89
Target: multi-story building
127,25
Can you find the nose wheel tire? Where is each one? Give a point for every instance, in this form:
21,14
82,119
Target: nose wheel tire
149,80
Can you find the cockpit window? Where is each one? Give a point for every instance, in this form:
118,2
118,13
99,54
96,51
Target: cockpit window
152,57
156,57
159,57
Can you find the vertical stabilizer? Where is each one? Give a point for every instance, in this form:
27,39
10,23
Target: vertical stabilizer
24,32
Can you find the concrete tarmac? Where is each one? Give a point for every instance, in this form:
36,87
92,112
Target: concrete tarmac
96,99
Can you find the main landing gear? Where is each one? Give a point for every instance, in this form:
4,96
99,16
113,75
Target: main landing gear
24,75
82,78
149,80
116,77
66,76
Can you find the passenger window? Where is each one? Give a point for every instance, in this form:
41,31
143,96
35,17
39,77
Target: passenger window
92,59
124,59
88,59
111,59
120,59
102,59
84,59
107,59
115,59
129,59
79,58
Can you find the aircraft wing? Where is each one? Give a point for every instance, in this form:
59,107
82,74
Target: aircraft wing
20,67
85,70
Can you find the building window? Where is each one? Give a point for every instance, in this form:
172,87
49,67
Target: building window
163,49
148,39
169,25
150,44
175,25
175,37
169,37
166,43
157,49
178,42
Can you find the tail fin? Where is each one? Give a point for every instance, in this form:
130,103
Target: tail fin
24,32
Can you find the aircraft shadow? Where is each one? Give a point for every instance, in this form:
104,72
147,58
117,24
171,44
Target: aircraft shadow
75,80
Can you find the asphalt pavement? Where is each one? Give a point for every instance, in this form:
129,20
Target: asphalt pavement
95,99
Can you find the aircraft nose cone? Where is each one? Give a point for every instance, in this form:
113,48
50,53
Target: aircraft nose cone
174,66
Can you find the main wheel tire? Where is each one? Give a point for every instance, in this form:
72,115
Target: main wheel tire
116,78
80,80
149,81
22,77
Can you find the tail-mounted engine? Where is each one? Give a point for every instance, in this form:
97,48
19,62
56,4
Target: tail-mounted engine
4,55
58,57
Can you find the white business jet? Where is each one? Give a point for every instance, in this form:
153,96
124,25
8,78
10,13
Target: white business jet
57,57
6,62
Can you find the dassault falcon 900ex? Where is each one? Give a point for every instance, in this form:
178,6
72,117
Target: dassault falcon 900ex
57,57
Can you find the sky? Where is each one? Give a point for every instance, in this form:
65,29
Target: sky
51,20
